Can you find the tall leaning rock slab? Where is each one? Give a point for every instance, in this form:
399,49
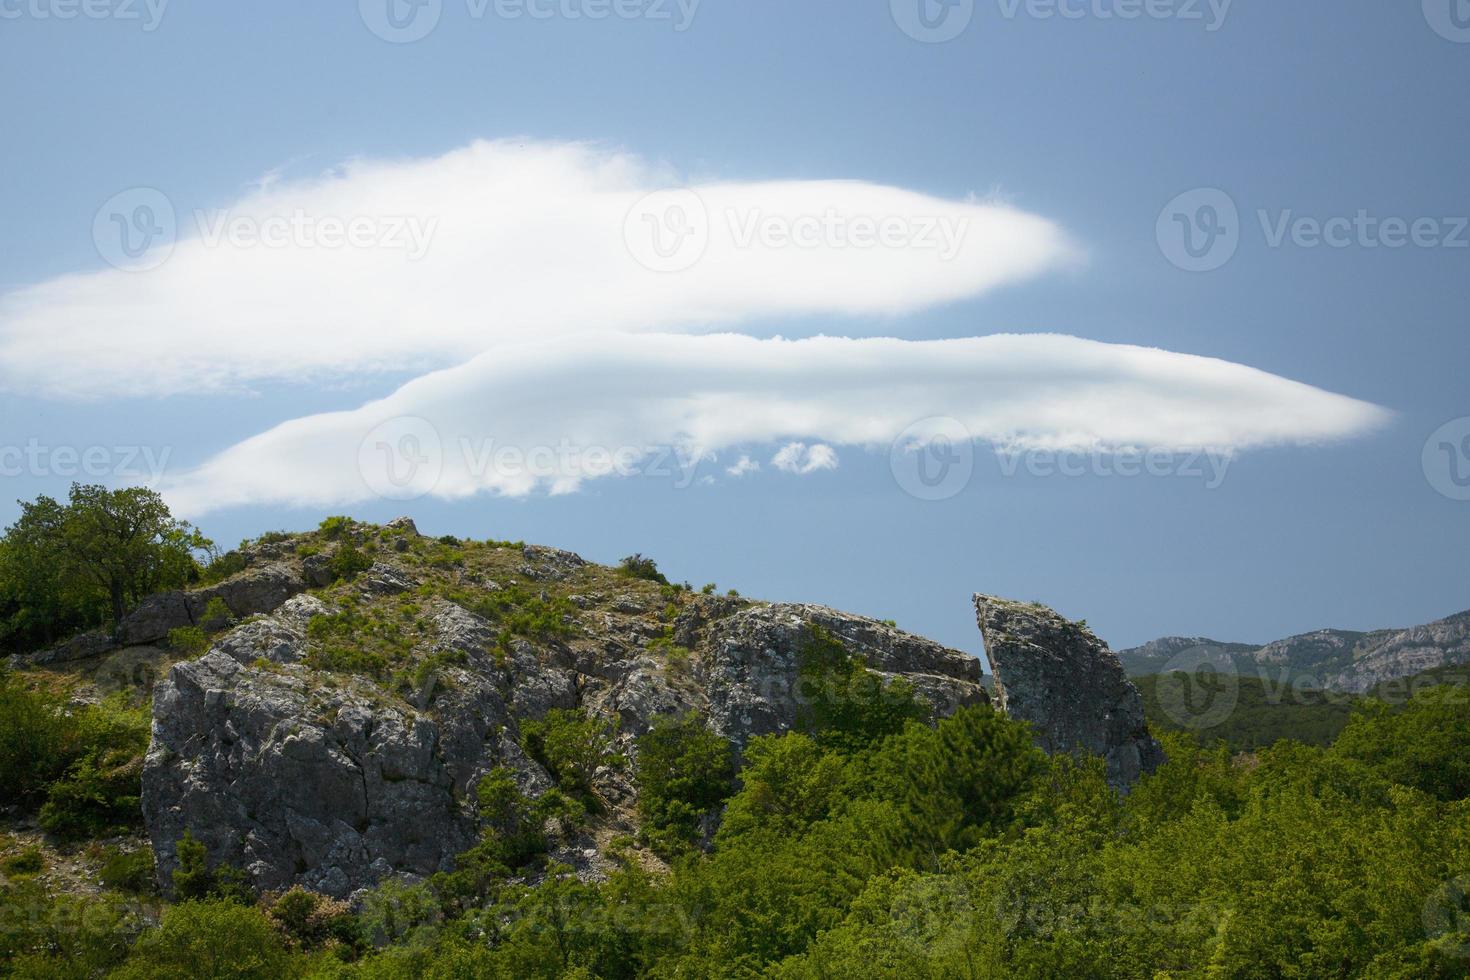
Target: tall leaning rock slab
1065,681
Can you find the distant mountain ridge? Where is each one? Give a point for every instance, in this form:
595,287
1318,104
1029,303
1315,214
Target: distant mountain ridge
1346,660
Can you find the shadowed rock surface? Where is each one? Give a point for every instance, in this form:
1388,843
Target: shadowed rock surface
1065,681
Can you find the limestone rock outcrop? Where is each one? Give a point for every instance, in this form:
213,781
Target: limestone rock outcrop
752,670
335,781
328,785
1064,681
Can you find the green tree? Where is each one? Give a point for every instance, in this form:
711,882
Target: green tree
684,772
210,940
571,744
844,704
1425,745
960,780
65,566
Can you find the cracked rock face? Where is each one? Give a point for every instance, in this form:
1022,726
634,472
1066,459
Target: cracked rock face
328,786
752,668
1065,681
334,783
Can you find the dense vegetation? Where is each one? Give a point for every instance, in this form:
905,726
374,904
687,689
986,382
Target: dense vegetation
948,851
868,843
1266,711
71,566
1263,714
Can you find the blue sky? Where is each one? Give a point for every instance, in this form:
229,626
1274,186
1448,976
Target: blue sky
1094,123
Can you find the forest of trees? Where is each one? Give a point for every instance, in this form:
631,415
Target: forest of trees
949,851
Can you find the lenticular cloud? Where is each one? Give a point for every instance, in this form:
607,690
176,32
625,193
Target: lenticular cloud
426,263
568,309
554,415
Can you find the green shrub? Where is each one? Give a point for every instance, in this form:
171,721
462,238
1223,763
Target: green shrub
195,879
222,567
684,772
353,642
50,936
844,704
217,615
37,739
571,744
28,862
209,939
511,837
128,871
519,612
348,561
313,921
639,567
98,795
334,527
188,640
82,763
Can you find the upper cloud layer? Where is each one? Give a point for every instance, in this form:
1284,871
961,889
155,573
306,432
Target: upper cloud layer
425,263
552,415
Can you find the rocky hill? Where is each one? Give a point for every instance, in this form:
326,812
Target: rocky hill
1332,659
323,716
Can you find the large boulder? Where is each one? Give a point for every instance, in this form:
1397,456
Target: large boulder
328,785
253,591
1065,681
751,668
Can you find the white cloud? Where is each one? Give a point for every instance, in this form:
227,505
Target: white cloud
549,416
519,240
799,458
744,466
